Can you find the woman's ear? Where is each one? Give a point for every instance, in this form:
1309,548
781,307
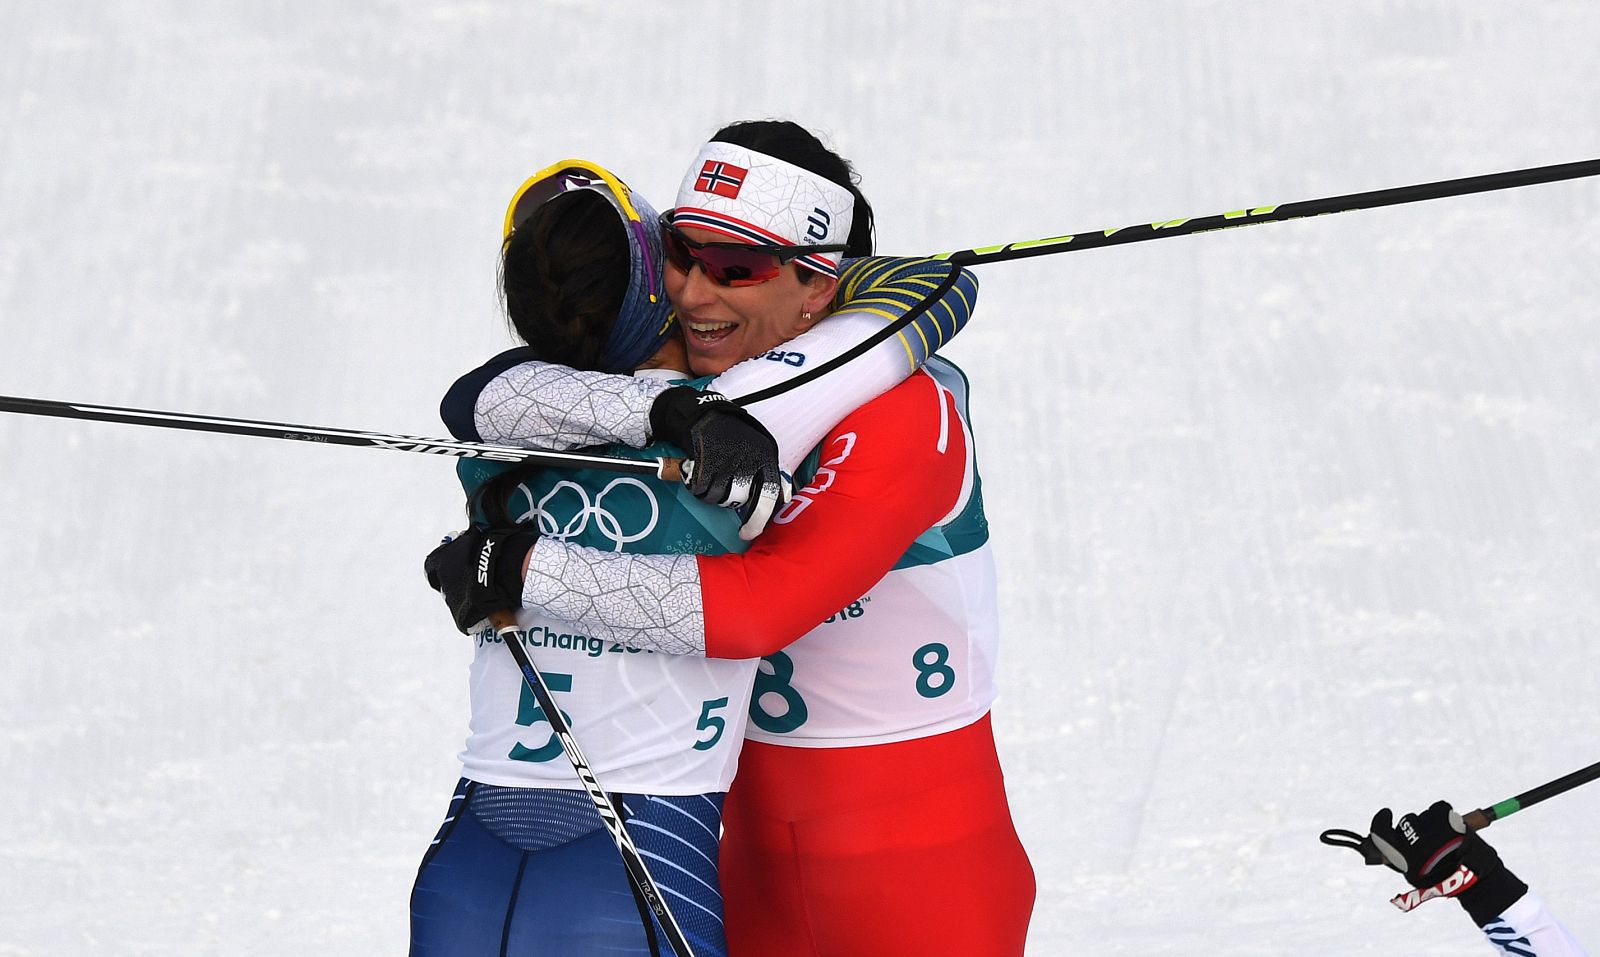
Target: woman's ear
819,297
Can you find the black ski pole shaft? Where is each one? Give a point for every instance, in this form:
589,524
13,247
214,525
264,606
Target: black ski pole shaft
1250,216
1140,232
505,625
661,468
1483,817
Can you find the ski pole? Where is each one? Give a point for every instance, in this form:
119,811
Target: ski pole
664,468
1140,232
1070,242
505,626
1273,214
1485,816
1474,820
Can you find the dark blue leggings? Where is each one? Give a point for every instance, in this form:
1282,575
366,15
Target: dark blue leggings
528,872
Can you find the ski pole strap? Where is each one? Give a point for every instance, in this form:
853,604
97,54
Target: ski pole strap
1360,843
911,315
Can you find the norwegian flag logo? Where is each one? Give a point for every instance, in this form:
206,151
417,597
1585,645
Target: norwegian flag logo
721,179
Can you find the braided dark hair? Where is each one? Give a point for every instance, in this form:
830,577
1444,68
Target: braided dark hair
563,275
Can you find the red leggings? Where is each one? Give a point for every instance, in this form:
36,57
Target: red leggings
904,848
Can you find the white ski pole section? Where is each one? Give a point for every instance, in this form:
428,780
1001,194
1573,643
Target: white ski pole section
660,468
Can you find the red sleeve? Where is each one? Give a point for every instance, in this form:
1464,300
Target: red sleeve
890,471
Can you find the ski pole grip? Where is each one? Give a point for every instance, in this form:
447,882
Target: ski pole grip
1476,820
670,470
503,621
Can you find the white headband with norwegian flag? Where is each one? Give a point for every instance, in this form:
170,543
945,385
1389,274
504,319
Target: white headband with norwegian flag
754,198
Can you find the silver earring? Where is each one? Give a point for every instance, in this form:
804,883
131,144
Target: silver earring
805,316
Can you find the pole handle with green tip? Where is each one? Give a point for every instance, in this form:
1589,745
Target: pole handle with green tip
1475,820
1483,817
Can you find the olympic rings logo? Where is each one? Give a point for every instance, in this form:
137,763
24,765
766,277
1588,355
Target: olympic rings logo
606,522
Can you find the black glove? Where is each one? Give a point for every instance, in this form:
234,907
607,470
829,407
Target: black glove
733,459
479,572
1428,848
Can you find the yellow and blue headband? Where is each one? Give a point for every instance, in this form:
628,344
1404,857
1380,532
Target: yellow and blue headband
646,319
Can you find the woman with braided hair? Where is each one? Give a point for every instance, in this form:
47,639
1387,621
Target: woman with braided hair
522,864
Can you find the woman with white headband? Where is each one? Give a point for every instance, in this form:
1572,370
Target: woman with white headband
870,761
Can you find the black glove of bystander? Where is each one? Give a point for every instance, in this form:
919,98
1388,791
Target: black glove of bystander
479,572
1430,847
732,458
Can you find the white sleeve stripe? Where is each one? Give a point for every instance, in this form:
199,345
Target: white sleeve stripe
969,471
944,416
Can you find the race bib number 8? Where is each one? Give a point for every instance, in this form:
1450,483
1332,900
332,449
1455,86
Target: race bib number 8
934,674
772,682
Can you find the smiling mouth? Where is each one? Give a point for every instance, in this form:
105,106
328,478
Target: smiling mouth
709,332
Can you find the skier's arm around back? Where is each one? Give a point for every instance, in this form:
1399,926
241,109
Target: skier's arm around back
890,471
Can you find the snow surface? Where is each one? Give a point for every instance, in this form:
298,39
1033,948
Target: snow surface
1294,521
